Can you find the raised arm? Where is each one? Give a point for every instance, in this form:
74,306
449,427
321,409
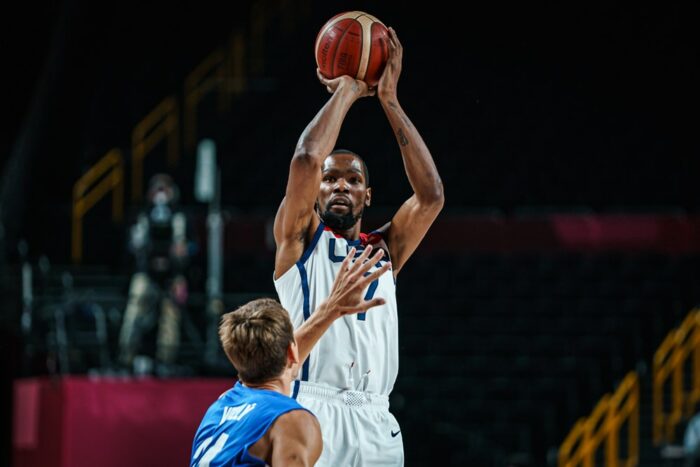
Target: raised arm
413,219
295,215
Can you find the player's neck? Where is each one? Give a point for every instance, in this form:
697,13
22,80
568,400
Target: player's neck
280,385
353,233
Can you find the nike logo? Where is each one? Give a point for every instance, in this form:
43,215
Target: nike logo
394,435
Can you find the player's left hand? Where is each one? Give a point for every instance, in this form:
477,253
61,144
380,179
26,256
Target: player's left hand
349,287
386,88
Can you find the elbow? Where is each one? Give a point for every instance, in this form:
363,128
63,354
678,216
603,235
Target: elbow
440,194
306,160
309,150
435,199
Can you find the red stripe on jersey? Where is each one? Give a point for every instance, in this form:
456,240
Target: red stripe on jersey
337,235
371,238
365,239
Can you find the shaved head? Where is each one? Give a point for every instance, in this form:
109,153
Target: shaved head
365,170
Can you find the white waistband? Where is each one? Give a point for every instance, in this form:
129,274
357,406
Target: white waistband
343,396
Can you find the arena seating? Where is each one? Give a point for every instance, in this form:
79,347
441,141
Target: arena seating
501,352
527,345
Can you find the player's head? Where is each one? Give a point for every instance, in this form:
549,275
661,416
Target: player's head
345,190
258,339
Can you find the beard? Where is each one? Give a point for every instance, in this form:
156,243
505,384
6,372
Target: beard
340,221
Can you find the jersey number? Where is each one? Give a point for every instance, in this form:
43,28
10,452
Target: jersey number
337,259
368,296
212,452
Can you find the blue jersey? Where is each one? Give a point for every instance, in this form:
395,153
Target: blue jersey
236,421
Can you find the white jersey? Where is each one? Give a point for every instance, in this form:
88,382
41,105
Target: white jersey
359,351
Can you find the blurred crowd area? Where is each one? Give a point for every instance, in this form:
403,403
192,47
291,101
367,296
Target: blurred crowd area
534,113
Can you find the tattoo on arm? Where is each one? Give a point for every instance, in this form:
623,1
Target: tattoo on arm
403,117
403,141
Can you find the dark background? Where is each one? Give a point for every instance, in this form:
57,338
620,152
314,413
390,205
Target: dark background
527,107
522,105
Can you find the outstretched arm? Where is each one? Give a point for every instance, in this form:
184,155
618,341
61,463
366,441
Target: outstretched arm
413,219
346,297
296,212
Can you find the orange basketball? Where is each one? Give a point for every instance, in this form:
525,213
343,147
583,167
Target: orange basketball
353,43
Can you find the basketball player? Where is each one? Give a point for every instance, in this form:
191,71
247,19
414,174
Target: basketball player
349,375
256,422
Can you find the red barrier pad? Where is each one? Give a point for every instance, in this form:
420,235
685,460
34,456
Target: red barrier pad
81,421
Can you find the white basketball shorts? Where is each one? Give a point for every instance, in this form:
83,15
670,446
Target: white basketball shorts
358,429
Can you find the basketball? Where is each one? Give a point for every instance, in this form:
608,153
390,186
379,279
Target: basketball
353,43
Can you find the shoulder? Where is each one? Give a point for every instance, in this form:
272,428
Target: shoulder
380,235
295,439
291,248
298,421
297,427
378,239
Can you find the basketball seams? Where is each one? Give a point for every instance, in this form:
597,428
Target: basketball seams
332,22
339,43
374,19
382,49
359,60
365,45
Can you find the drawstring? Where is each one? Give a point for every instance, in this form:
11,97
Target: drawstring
363,379
350,378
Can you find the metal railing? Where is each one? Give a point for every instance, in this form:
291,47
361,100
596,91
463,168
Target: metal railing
226,68
207,76
670,362
604,426
87,191
161,123
236,81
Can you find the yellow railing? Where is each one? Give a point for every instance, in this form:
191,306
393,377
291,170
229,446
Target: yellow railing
235,68
670,362
226,68
208,75
604,426
87,191
161,123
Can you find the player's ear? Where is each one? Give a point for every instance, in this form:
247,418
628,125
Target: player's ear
292,354
368,197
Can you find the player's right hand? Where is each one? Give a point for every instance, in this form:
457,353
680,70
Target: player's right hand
332,85
390,77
